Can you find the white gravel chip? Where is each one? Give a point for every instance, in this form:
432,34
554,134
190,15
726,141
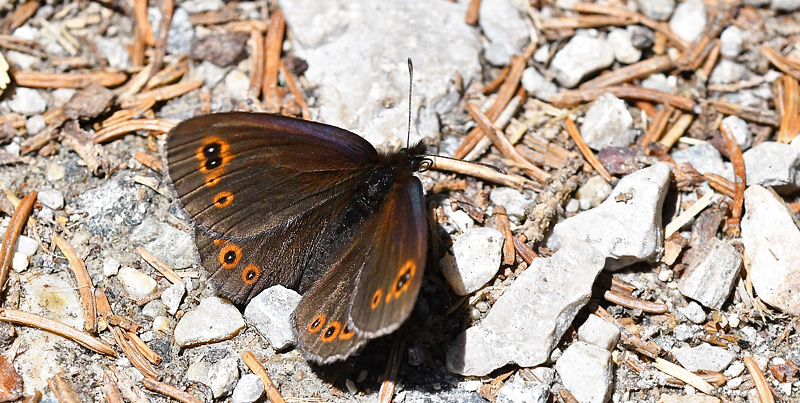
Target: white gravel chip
51,198
213,320
710,277
137,284
689,19
220,376
599,332
587,372
772,241
19,262
505,28
26,245
519,390
475,259
172,297
270,312
704,357
608,124
249,389
27,101
581,56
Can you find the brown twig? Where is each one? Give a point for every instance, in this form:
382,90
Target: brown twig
62,390
712,58
525,252
15,226
482,172
272,60
651,350
149,161
693,57
162,93
295,90
570,99
113,394
586,151
38,79
720,184
36,397
677,130
19,16
735,155
169,391
657,26
144,349
472,13
252,362
634,303
159,265
392,368
118,130
789,111
658,126
779,61
634,71
85,288
142,24
257,54
133,354
55,327
169,74
764,117
684,375
504,226
762,386
585,21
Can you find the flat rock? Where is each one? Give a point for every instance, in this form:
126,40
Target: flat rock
213,320
772,241
519,390
773,164
136,283
626,228
270,312
581,56
528,320
504,27
710,277
704,357
608,124
587,372
249,389
689,19
369,94
598,332
51,198
172,297
475,259
220,376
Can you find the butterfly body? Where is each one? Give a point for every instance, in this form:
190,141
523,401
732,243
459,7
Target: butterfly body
276,200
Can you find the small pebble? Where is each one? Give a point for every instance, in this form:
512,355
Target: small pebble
598,332
416,355
704,357
51,198
512,200
54,172
689,19
593,192
731,42
624,51
351,386
220,376
19,262
137,284
26,245
161,325
110,266
581,56
35,124
659,10
270,312
694,312
213,320
586,370
738,128
27,101
475,260
249,389
519,390
608,124
172,296
153,309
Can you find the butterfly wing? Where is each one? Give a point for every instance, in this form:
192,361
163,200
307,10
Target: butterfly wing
260,189
372,289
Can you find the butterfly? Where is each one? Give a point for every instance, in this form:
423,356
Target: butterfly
278,200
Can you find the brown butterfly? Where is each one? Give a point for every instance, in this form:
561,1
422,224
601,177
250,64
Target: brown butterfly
278,200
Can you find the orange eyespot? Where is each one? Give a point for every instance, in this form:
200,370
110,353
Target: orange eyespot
212,179
403,280
330,332
317,323
223,199
376,298
347,333
251,273
230,255
213,154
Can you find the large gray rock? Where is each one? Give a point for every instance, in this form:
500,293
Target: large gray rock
369,93
772,241
626,228
530,317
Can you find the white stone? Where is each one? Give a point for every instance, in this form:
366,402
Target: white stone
237,84
599,332
703,157
738,128
173,246
608,124
773,164
161,325
249,389
475,260
172,297
503,26
587,372
51,198
704,357
137,284
581,56
531,316
27,101
727,72
694,312
689,19
369,94
710,277
19,262
114,52
459,219
627,230
784,5
522,391
659,10
35,124
593,192
535,83
54,172
220,376
512,200
270,312
772,241
110,266
26,245
731,41
213,320
624,51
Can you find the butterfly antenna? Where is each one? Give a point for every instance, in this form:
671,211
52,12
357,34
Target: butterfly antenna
410,87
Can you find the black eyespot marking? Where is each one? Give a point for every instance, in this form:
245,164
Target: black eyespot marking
250,275
329,332
402,280
230,257
211,149
316,323
214,162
